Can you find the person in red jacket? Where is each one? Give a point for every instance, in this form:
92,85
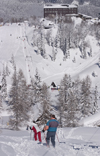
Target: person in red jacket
37,131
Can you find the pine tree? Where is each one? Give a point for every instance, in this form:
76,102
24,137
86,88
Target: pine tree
7,71
71,115
37,86
32,92
41,43
19,103
4,85
0,102
66,50
86,97
76,89
63,98
45,105
53,53
24,99
95,104
57,40
14,103
83,52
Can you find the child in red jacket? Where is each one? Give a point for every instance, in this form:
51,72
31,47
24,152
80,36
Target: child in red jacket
37,131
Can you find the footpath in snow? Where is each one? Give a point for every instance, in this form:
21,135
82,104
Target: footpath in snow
83,141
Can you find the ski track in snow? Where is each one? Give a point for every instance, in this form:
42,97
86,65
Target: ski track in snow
87,63
23,146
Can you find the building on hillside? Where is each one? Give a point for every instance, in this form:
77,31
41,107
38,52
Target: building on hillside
51,10
84,17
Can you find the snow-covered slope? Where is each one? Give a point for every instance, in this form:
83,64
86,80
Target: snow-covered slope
69,142
16,39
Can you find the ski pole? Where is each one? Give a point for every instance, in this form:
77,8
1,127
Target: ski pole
45,140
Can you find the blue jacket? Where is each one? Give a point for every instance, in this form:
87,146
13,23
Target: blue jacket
53,124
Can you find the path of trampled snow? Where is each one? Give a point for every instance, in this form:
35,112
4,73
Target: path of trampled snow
69,142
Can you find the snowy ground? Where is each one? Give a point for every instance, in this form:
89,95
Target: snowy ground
83,141
78,141
69,142
16,40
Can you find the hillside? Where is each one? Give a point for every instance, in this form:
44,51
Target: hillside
17,40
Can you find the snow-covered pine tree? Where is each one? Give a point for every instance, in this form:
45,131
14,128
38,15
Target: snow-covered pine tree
13,103
41,42
38,45
63,99
53,53
13,62
23,96
57,39
86,107
69,33
4,84
0,102
83,50
61,107
19,103
7,70
45,105
32,92
95,104
56,43
71,115
49,37
76,88
76,37
37,86
43,52
62,35
56,18
66,50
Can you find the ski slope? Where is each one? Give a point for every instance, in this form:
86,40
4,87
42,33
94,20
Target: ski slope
16,40
69,142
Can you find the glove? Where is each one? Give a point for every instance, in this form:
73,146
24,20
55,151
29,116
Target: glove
43,130
30,128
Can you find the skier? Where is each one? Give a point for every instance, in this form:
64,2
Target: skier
36,131
51,127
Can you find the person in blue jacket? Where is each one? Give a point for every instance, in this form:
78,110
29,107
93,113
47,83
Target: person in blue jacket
51,127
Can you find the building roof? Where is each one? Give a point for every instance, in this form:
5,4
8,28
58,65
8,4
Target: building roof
59,6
